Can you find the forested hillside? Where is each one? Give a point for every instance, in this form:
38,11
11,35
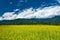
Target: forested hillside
49,21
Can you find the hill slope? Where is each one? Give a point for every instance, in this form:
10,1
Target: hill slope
50,21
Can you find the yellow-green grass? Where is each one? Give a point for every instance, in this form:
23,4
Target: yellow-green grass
29,32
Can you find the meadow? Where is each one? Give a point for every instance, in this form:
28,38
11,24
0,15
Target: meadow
29,32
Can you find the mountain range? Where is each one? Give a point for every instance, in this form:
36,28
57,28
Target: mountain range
47,21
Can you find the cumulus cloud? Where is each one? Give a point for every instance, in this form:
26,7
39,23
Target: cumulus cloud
9,16
26,13
47,12
1,18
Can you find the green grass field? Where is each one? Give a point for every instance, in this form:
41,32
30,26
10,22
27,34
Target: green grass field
29,32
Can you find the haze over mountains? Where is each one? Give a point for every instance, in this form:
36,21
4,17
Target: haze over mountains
46,21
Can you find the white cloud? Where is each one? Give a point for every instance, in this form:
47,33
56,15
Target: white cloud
1,18
58,1
47,12
26,13
16,10
9,16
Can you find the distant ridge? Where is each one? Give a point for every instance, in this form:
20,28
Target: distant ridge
48,21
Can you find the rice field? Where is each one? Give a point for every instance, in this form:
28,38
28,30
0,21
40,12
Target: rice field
29,32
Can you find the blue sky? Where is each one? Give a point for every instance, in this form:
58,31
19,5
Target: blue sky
6,6
10,5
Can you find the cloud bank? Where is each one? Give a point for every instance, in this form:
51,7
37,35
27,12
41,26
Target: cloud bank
46,12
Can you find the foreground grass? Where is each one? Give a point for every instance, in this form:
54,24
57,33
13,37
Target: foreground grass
29,32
